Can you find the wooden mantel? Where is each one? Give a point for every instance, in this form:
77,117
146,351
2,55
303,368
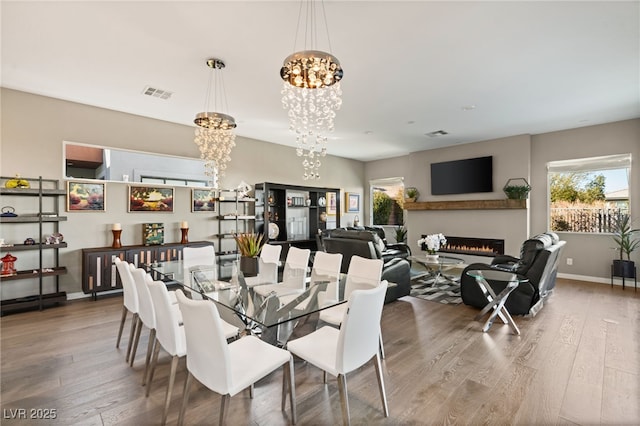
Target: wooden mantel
467,205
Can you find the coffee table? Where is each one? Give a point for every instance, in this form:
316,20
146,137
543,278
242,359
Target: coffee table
496,302
436,267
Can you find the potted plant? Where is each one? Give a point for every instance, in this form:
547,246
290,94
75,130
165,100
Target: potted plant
249,247
627,242
517,189
401,234
411,194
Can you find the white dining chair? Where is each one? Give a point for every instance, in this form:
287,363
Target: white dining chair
129,303
340,351
199,256
228,368
169,336
326,267
293,277
362,274
268,263
146,317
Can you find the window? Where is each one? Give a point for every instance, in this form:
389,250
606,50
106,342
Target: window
387,201
588,194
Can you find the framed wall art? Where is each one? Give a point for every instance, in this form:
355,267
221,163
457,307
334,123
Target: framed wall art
332,203
85,196
352,202
203,200
150,199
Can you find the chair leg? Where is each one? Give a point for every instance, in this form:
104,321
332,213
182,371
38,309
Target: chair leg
292,391
381,345
122,321
134,322
152,367
344,398
136,339
185,398
383,394
251,389
172,378
223,408
147,361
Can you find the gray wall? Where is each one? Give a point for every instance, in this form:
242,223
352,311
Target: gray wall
34,147
521,156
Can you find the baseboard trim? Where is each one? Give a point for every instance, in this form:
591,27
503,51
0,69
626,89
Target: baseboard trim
82,295
600,280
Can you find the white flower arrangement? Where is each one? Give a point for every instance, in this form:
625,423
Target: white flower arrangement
433,242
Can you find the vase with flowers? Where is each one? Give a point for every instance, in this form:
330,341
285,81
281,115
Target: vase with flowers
432,244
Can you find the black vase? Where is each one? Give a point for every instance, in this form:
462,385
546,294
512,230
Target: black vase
249,266
624,268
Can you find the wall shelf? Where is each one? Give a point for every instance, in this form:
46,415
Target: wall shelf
467,205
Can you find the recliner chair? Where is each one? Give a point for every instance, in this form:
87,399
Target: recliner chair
367,244
539,257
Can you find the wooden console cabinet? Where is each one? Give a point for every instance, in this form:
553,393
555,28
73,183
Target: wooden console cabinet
99,271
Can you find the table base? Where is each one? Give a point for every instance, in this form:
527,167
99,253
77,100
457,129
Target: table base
497,304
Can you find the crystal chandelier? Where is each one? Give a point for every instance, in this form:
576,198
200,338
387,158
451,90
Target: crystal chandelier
215,135
312,95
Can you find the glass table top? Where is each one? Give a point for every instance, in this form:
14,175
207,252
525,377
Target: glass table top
441,260
264,310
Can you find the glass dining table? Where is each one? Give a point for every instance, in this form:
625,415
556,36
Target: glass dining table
272,317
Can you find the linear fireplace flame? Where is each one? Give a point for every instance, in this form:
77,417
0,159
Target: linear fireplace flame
489,247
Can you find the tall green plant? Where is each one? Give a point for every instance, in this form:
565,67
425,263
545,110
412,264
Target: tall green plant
249,245
401,234
625,237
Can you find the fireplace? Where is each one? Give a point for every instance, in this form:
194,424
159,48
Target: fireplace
476,246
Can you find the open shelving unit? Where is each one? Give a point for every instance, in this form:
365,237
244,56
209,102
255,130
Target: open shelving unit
46,189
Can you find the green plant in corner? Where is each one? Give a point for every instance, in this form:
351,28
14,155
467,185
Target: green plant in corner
624,236
249,245
401,234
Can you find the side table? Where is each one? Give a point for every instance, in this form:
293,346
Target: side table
496,302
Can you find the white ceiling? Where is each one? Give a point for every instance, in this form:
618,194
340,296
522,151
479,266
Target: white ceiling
410,67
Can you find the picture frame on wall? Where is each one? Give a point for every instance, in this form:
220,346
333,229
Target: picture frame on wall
203,200
150,199
352,202
332,203
85,196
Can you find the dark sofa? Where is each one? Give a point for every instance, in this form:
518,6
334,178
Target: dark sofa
538,261
368,244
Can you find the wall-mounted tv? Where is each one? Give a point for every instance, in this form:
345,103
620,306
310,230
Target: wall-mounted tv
462,176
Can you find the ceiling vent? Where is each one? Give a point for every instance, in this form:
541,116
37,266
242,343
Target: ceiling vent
436,133
156,93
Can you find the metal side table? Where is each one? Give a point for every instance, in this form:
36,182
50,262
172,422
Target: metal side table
496,302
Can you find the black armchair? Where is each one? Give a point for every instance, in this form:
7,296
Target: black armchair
538,261
368,244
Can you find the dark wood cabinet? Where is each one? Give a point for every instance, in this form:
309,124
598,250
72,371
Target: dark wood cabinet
99,271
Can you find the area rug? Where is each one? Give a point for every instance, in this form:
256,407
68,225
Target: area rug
443,292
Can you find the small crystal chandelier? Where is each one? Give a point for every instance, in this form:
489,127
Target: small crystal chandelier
215,135
311,93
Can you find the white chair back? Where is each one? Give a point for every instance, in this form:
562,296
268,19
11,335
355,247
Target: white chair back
168,330
268,263
362,274
326,267
295,268
130,294
208,356
145,312
198,256
360,330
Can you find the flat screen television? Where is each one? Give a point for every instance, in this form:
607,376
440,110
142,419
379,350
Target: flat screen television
462,176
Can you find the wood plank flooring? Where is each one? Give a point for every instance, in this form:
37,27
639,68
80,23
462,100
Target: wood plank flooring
576,363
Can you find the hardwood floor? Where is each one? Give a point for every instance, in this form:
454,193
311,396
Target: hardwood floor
576,362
